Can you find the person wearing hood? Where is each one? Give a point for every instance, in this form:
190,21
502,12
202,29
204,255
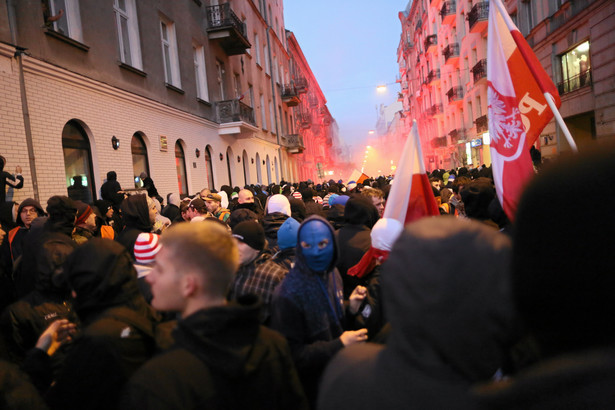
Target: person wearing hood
277,210
29,209
106,217
308,308
149,186
138,215
14,181
354,237
117,327
451,322
111,190
222,356
287,243
85,224
171,210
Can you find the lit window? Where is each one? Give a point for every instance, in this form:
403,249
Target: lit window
169,53
200,73
128,32
576,68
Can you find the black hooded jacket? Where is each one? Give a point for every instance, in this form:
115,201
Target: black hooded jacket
451,319
222,358
272,223
135,216
109,191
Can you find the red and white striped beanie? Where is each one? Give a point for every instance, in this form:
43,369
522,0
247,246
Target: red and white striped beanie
297,195
146,248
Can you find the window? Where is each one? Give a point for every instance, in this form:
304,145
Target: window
263,113
237,85
275,70
266,57
180,166
200,72
139,158
272,115
78,162
63,16
257,49
220,79
128,32
169,53
251,95
576,68
209,167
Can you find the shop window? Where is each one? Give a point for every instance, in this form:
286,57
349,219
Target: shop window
576,69
78,163
140,162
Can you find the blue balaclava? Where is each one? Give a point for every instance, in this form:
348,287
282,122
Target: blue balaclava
316,242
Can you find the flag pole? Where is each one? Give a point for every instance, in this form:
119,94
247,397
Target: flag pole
560,121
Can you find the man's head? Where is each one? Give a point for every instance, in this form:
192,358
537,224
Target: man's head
29,210
377,197
250,238
436,182
213,202
245,196
86,218
316,244
194,268
204,192
196,207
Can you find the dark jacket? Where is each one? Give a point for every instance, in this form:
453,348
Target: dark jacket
272,223
450,319
285,258
109,191
135,216
222,359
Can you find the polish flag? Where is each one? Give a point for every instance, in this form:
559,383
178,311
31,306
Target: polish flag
411,196
357,176
518,87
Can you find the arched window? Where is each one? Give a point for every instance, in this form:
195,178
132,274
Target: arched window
277,172
259,176
78,162
229,165
140,162
268,163
246,167
209,167
180,165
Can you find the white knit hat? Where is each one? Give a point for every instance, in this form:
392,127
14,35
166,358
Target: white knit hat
146,248
278,203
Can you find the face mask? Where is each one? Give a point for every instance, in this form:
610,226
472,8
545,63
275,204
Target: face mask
316,243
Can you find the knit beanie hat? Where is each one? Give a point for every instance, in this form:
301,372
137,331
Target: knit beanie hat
287,234
83,212
146,248
339,200
278,203
251,233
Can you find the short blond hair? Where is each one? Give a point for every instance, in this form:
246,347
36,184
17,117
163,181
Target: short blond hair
205,247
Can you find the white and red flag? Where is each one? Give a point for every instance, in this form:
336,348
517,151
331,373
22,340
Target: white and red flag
518,88
411,196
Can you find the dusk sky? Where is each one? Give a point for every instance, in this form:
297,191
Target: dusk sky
351,47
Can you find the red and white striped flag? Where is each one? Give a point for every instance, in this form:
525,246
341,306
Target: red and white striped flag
411,196
518,109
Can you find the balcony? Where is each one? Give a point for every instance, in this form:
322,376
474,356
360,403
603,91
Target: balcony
482,125
408,46
431,43
478,17
235,118
479,71
304,119
419,25
290,96
435,110
457,136
455,95
448,11
451,53
439,142
293,143
433,77
575,82
313,101
224,26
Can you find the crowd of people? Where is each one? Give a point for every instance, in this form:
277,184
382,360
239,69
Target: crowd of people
302,295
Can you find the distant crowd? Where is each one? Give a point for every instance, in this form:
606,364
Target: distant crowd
303,295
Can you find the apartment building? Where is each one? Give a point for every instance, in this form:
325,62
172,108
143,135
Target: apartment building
443,72
188,91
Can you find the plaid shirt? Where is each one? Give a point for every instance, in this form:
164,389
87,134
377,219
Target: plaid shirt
260,277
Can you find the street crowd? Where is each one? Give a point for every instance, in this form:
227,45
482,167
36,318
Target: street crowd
302,295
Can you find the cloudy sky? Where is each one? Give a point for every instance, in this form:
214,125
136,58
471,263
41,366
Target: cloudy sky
351,46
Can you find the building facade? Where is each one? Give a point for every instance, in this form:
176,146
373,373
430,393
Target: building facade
190,92
443,73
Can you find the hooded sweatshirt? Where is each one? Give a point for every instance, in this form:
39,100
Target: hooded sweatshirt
222,358
450,319
135,215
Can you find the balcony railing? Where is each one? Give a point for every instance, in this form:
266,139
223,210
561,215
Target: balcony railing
447,12
224,25
455,94
304,119
419,24
479,70
478,17
408,46
576,82
451,52
301,84
435,109
458,135
293,143
431,41
439,142
290,96
432,76
234,111
482,125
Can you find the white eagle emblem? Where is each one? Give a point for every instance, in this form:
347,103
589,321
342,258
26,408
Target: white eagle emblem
505,125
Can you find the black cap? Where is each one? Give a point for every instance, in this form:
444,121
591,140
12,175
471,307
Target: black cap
251,233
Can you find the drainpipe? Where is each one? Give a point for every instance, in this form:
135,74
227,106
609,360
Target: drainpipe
19,52
275,103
